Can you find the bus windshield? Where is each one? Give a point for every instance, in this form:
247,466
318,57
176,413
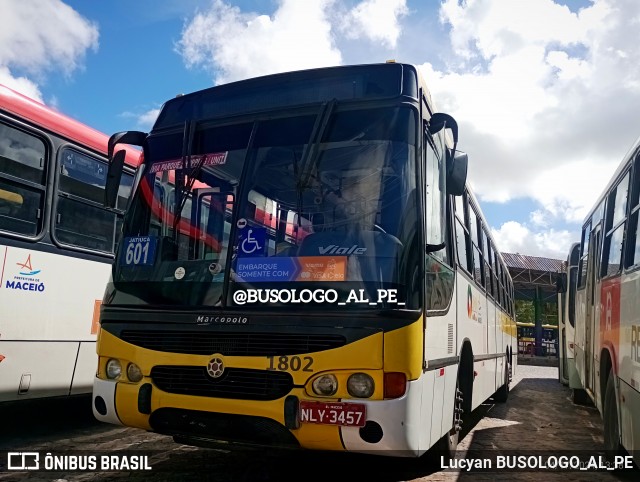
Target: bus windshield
317,200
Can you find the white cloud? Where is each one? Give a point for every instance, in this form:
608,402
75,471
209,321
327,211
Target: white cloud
546,98
539,218
513,237
233,44
20,84
38,36
376,20
236,45
143,120
147,119
493,28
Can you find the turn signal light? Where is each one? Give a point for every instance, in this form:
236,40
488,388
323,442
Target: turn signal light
395,384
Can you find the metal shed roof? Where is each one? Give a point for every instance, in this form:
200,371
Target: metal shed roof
533,263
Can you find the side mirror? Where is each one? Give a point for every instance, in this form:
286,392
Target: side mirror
457,162
457,165
441,121
116,163
114,175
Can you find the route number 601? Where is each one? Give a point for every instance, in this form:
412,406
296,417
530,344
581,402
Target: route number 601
138,250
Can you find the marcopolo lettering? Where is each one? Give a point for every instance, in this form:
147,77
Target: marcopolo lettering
234,320
335,249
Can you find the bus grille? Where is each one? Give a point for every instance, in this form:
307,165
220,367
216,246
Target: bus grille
231,344
237,383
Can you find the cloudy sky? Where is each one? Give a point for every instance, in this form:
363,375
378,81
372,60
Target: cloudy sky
544,91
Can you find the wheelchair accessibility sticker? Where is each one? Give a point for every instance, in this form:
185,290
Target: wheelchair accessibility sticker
252,242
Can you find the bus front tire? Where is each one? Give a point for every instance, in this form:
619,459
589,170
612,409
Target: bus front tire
610,417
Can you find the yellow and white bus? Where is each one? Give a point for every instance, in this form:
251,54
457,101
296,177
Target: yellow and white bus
527,339
302,265
607,310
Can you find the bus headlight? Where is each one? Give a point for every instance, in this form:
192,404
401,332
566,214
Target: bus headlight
134,373
360,385
114,369
325,385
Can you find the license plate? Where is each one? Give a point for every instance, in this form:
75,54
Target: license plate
337,413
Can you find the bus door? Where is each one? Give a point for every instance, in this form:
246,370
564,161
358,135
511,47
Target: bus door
592,306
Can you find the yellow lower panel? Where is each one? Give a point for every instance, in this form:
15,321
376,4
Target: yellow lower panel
319,437
310,436
127,406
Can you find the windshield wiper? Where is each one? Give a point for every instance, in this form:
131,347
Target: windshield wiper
182,192
311,151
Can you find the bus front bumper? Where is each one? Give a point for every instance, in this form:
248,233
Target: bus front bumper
103,401
389,430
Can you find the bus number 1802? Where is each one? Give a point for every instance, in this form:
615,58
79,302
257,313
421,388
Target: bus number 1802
293,363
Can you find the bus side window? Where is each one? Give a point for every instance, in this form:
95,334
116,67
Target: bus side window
439,275
584,256
436,196
462,236
475,245
632,257
486,246
615,219
22,181
81,219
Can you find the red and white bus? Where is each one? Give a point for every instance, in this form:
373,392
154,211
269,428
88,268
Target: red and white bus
56,247
607,307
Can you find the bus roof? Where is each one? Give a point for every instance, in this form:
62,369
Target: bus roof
342,83
41,116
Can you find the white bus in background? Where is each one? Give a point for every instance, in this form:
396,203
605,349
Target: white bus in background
56,248
607,310
567,372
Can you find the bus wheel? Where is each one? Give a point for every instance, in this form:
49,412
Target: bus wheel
446,446
502,394
610,416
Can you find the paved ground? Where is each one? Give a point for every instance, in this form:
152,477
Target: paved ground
539,419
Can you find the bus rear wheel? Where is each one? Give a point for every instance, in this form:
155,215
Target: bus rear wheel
502,394
610,417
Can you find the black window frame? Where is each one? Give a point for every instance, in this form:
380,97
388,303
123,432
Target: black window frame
30,185
468,264
583,262
611,229
59,193
629,263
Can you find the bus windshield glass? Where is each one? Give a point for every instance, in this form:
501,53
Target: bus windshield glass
261,205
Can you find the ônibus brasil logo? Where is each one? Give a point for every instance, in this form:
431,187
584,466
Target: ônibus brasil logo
27,268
